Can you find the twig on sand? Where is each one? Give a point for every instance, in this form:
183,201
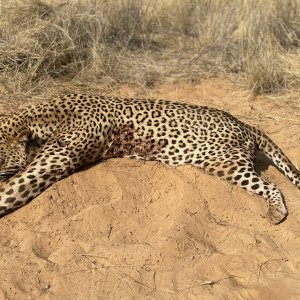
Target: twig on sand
208,282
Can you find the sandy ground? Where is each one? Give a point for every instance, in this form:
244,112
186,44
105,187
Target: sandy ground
126,229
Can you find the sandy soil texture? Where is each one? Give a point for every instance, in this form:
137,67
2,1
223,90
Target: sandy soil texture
126,229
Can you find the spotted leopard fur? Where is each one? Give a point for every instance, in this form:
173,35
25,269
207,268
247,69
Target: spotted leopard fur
76,130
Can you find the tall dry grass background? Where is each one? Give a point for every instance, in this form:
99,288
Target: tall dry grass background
145,42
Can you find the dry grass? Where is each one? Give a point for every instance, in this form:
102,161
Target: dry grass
145,42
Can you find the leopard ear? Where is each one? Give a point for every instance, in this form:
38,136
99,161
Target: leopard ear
23,137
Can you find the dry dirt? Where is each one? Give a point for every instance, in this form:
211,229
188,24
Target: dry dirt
126,229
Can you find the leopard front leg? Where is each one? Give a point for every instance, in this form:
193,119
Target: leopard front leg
58,158
24,186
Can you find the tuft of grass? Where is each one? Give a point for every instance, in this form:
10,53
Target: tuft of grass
145,42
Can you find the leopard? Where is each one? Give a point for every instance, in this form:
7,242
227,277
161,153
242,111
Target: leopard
77,130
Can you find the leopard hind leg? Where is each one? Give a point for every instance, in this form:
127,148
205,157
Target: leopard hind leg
240,171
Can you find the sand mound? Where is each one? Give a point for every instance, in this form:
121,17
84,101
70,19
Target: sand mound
126,229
